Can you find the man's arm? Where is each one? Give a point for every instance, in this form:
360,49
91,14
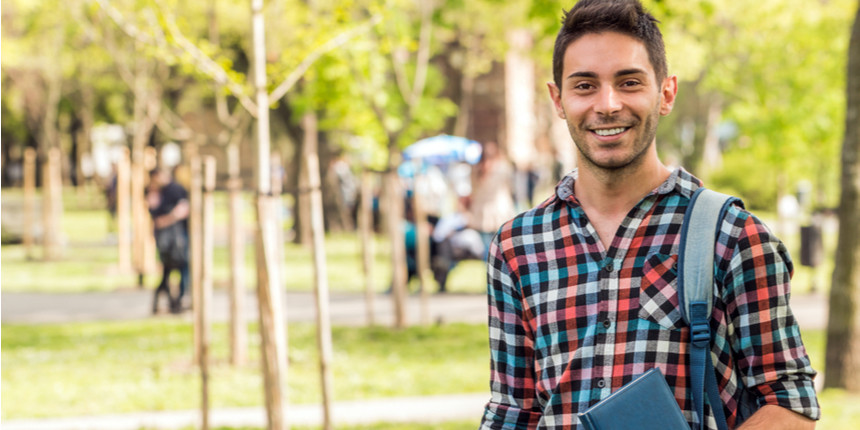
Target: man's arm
765,340
776,417
514,402
178,213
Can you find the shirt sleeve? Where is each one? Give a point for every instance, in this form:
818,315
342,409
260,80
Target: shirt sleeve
767,349
513,403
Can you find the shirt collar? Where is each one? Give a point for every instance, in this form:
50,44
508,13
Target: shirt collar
680,181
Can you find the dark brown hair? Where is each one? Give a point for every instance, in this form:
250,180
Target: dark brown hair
621,16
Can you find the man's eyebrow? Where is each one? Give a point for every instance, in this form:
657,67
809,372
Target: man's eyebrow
582,75
632,71
623,72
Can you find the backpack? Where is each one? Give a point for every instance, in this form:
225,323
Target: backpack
695,290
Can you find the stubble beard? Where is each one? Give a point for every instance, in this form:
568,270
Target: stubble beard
614,168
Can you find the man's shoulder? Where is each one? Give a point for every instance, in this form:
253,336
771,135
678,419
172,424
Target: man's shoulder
537,220
175,189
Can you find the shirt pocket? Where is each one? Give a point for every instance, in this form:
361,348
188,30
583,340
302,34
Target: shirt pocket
658,297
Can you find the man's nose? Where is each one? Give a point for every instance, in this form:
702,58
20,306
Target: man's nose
608,101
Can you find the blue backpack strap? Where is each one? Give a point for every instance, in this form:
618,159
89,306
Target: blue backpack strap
695,294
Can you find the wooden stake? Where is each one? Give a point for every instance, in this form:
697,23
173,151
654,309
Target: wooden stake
208,245
52,200
29,200
367,249
398,247
320,277
123,216
195,234
238,323
268,299
139,214
149,251
422,245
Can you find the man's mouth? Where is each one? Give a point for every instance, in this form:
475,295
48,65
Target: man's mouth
610,131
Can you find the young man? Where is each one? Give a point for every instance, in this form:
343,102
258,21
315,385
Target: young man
583,288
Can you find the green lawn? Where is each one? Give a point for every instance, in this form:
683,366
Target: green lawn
115,367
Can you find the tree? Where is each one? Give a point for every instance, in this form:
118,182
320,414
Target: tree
842,367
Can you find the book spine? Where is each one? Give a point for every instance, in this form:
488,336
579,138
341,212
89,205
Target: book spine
587,422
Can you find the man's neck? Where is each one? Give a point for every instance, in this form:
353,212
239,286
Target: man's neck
613,193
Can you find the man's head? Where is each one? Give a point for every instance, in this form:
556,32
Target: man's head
611,85
159,177
621,16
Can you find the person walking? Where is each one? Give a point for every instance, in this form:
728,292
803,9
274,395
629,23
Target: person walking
169,208
583,288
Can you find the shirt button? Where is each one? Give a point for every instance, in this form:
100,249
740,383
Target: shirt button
609,268
607,323
601,383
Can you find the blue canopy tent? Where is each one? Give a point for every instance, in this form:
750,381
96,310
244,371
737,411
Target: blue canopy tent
442,151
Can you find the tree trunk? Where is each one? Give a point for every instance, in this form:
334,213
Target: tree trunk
205,303
123,209
321,295
272,322
195,234
842,368
303,202
52,205
394,223
238,330
365,220
29,201
422,244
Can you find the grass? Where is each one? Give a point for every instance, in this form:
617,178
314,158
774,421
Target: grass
115,367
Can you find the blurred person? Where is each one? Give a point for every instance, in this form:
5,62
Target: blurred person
341,178
453,241
110,190
491,202
582,289
169,208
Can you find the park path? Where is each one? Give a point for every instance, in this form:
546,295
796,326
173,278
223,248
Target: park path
346,309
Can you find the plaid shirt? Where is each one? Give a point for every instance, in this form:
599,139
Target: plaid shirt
570,322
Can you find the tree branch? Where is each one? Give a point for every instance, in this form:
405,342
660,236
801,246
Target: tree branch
423,58
206,64
297,73
203,63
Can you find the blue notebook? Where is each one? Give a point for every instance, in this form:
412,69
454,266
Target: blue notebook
644,403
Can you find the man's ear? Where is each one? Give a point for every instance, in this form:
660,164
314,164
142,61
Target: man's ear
555,95
668,90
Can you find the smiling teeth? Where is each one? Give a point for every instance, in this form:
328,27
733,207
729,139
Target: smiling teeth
609,131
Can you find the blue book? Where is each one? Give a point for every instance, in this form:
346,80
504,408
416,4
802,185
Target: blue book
644,403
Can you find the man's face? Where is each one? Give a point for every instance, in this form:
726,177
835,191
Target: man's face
159,179
610,99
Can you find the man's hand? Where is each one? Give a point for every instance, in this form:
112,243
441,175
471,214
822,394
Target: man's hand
179,213
776,417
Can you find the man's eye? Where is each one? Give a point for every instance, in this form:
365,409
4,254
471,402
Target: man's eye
583,86
630,83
